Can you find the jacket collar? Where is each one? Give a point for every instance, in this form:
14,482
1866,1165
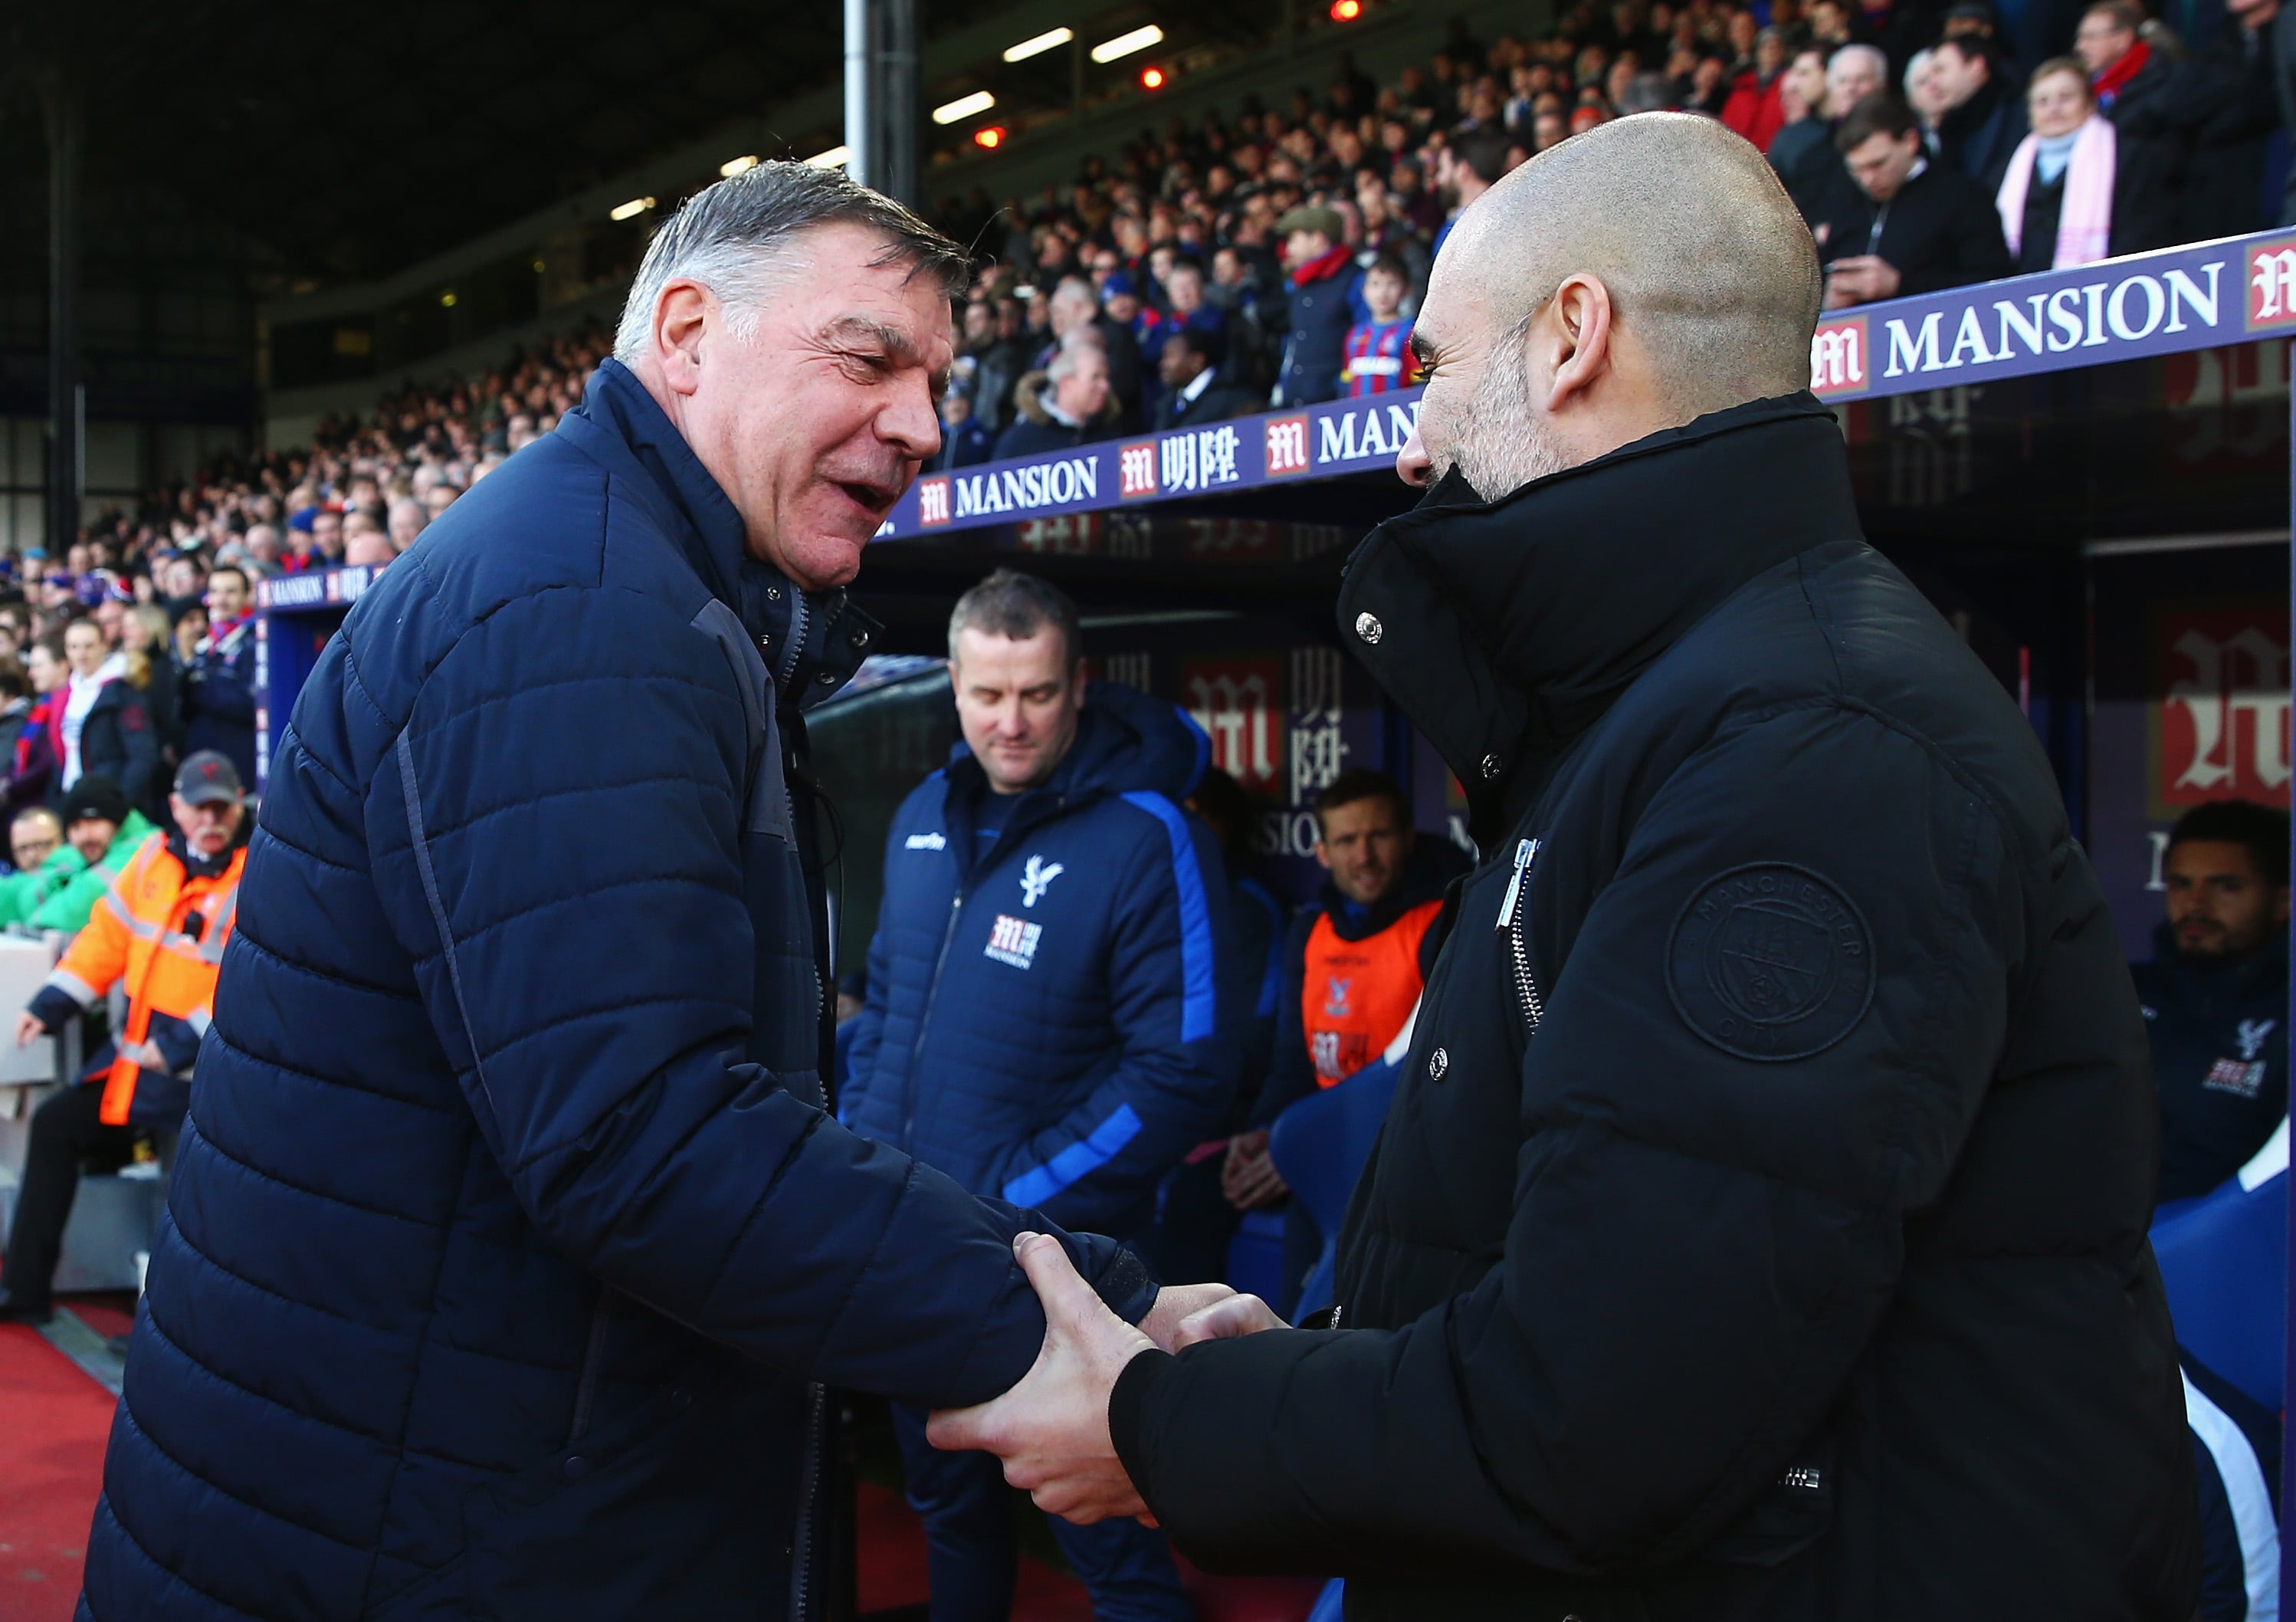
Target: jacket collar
2253,976
1505,629
812,642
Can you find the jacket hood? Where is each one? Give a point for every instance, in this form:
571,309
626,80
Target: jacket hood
1125,743
812,642
1506,628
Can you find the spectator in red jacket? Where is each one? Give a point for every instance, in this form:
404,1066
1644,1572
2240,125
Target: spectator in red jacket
1754,109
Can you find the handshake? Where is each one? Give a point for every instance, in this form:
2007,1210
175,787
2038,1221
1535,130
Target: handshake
1051,1430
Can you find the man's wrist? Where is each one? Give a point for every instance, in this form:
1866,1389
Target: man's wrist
1128,1400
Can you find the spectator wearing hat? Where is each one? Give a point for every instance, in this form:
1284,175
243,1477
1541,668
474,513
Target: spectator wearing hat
161,933
101,831
1322,285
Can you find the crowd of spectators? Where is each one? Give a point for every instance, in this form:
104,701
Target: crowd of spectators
1275,257
136,648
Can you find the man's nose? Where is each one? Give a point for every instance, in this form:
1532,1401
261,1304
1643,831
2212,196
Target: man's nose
1412,464
908,422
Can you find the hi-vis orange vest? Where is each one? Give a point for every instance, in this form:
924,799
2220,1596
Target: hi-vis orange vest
1356,994
136,935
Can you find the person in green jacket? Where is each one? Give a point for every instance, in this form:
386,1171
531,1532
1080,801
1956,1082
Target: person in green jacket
43,862
103,831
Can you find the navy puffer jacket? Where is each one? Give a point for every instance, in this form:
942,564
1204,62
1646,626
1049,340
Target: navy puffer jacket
506,1232
1049,1020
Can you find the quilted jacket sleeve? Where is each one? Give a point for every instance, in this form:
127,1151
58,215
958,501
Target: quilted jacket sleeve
558,837
1177,1060
1705,1235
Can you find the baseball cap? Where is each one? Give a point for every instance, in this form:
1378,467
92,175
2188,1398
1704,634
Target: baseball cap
1313,217
93,795
206,778
1119,286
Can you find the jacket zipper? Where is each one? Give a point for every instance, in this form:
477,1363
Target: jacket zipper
799,611
924,1020
593,1358
1512,914
808,1484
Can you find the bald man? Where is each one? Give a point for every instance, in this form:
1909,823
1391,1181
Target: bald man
1758,1229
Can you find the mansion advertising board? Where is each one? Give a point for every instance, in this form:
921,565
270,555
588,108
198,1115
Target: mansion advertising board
2205,297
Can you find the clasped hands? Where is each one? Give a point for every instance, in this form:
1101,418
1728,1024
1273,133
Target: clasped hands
1051,1429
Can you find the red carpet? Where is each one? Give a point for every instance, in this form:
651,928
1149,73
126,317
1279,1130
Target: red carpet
53,1420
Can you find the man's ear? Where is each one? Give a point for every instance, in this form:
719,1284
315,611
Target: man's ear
1322,857
1578,324
684,314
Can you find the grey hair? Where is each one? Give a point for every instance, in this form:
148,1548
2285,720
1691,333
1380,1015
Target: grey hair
730,237
1011,603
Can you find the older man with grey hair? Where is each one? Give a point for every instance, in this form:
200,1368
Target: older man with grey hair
511,1249
1758,1228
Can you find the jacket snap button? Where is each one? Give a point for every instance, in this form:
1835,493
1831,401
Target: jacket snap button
1437,1062
860,639
764,641
773,594
1490,769
827,679
576,1468
1369,629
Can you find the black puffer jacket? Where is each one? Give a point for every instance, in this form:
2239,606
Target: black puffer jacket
1758,1229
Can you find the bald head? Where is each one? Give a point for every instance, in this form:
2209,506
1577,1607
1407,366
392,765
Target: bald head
1636,276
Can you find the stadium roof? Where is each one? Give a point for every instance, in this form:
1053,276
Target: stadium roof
349,139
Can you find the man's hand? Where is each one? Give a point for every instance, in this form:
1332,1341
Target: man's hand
1250,1179
1179,1303
1860,279
1051,1430
146,1054
1227,1320
29,1028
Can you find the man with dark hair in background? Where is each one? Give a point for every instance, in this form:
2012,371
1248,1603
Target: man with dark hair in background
1196,387
2216,993
1352,974
1923,227
1985,111
1046,1020
1467,168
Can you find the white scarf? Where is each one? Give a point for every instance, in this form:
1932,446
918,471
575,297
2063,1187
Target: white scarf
85,690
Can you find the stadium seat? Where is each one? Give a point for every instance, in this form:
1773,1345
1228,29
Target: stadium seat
1321,1146
2224,1258
1255,1256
